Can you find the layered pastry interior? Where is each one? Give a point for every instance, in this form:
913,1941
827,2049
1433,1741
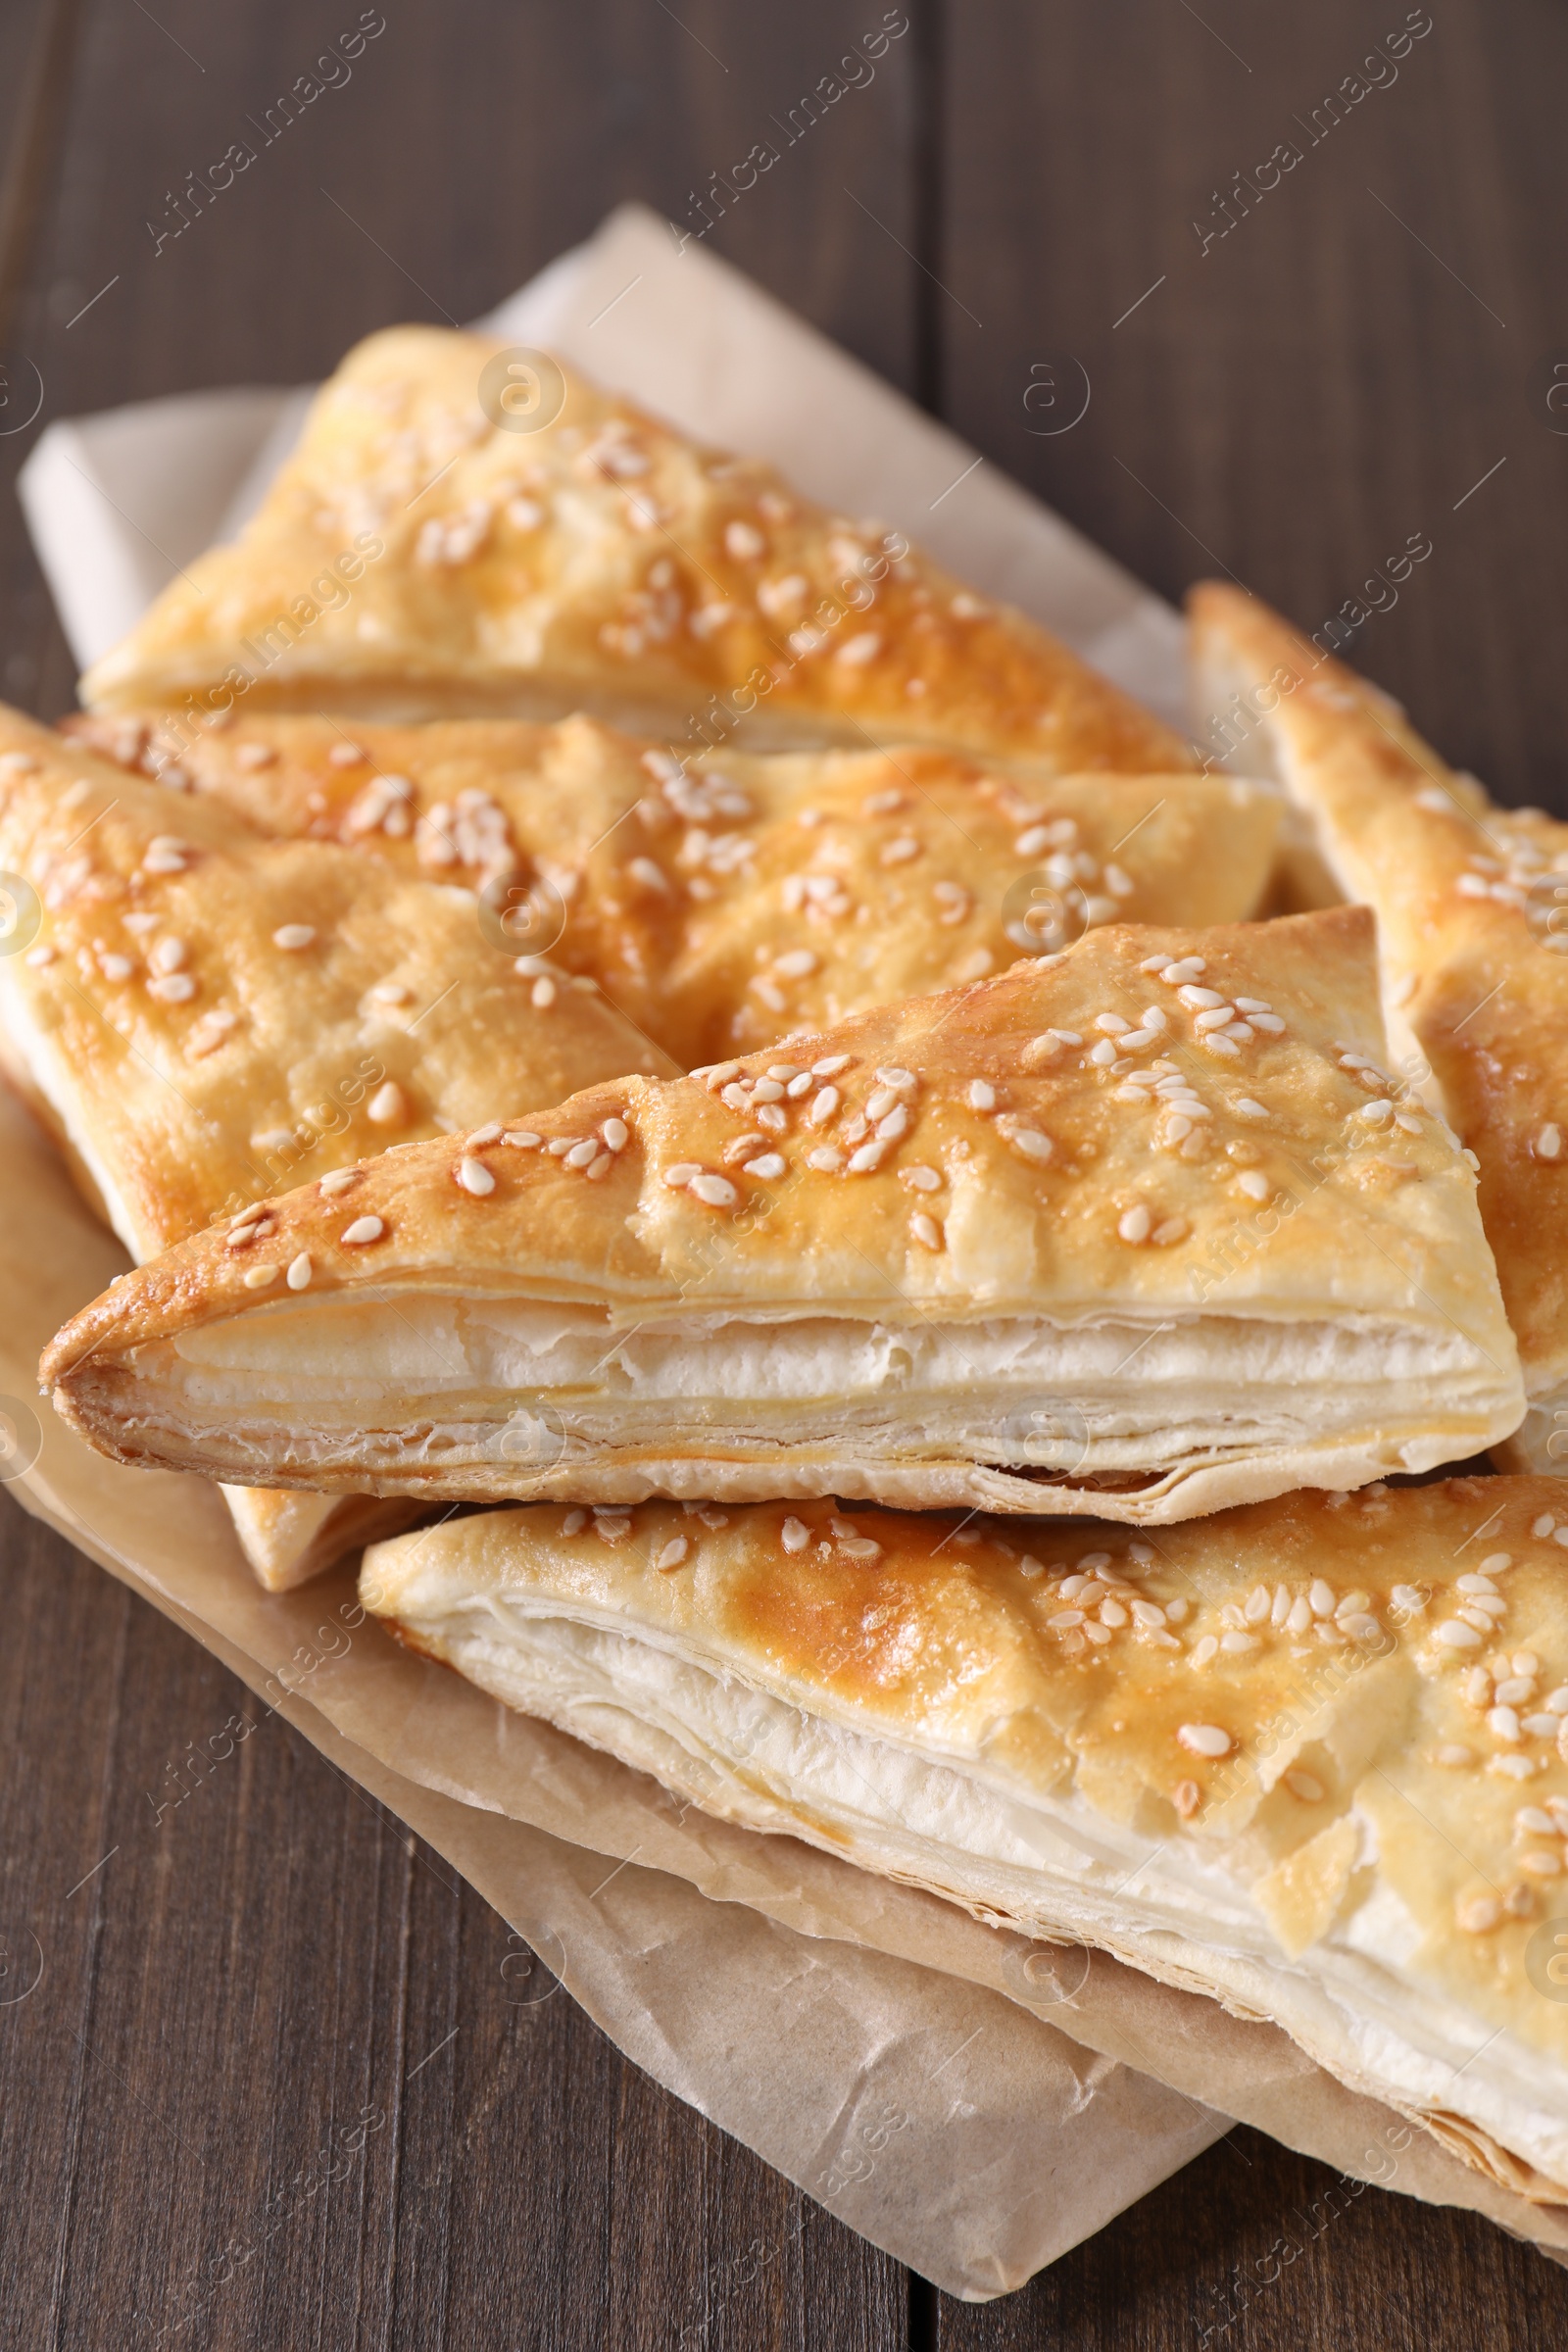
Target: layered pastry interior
1308,1757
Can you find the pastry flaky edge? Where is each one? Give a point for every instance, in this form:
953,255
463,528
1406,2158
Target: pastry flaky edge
1307,1757
203,1012
419,556
1472,905
1138,1230
724,903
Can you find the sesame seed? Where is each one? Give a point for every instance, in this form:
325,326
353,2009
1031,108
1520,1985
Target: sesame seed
927,1230
831,1068
362,1231
1455,1635
339,1181
1203,1022
580,1154
795,1535
1306,1786
923,1179
1204,1738
293,936
1477,1914
1135,1224
388,1105
827,1159
1247,1109
299,1271
867,1157
671,1555
768,1169
1255,1185
982,1095
574,1523
524,1138
543,993
615,1135
1549,1143
257,1278
345,754
714,1192
1495,1562
680,1172
171,988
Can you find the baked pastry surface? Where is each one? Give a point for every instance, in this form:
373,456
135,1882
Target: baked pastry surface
1472,907
724,903
205,1014
416,559
1306,1756
1138,1230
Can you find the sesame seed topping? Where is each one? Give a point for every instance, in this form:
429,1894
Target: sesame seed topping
362,1231
299,1271
293,936
543,993
1135,1224
1247,1108
671,1555
982,1095
474,1177
171,988
927,1230
257,1278
768,1169
581,1154
795,1535
524,1138
1204,1738
388,1107
714,1192
1549,1143
827,1159
831,1068
339,1181
1455,1635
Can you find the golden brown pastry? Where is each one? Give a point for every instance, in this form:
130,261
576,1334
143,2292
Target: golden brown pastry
205,1016
1140,1229
415,557
1309,1756
1472,907
723,904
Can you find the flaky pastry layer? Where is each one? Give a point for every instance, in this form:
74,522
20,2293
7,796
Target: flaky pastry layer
1308,1757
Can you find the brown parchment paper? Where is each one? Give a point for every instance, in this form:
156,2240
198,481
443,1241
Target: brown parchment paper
973,2103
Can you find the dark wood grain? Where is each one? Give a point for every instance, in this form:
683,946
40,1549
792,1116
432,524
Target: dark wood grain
1296,399
246,1972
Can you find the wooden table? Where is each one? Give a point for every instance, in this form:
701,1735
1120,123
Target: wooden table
1288,382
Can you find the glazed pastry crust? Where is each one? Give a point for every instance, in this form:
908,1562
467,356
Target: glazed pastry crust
414,559
1299,1756
190,1060
724,905
1472,905
180,1093
712,1265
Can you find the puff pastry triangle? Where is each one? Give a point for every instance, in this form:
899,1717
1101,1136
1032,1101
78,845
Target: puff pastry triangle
414,558
724,902
1472,905
1306,1756
1141,1230
205,1015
